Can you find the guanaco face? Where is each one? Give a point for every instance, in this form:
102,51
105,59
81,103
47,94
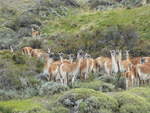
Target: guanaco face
71,57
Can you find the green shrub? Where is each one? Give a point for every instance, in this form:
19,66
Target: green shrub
17,106
59,109
18,58
8,37
8,94
107,79
88,101
143,92
129,103
5,110
18,74
103,4
51,88
35,43
97,85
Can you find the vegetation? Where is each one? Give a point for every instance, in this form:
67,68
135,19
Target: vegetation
132,103
84,101
96,26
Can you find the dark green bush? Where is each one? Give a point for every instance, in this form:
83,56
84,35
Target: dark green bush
107,79
51,88
24,32
18,58
95,85
7,38
102,4
26,20
142,92
59,109
8,94
19,73
129,103
120,37
35,43
88,101
5,110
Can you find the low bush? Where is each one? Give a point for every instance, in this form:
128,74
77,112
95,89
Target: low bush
97,85
88,101
21,106
18,74
142,92
7,38
107,79
8,94
129,103
5,110
35,43
51,88
59,109
18,58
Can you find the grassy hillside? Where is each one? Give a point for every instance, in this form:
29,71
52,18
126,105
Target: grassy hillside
137,17
96,26
101,30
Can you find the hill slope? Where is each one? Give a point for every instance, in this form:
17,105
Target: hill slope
137,17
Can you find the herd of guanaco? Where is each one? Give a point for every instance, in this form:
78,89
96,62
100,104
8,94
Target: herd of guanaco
135,70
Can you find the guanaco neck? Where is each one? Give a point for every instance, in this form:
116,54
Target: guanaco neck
71,59
49,61
127,56
61,59
114,63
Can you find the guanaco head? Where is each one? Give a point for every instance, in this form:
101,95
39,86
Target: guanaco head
61,54
87,55
112,52
51,55
71,57
118,55
127,54
80,54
